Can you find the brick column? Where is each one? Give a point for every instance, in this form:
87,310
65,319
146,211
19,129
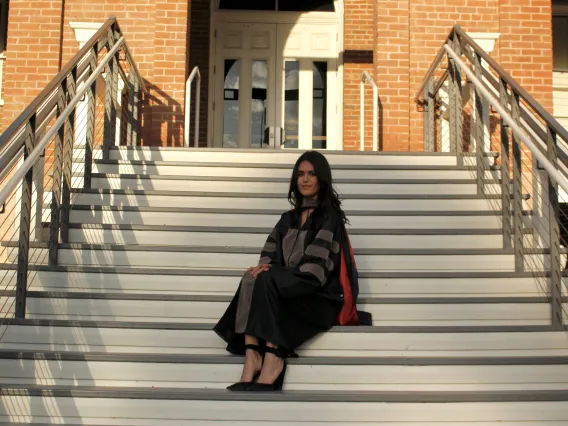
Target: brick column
392,67
357,57
170,69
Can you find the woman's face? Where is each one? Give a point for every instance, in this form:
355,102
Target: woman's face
307,180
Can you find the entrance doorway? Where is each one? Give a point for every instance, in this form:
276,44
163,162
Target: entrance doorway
275,78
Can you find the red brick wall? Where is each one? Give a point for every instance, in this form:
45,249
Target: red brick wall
156,33
525,46
392,67
32,57
411,32
358,47
396,40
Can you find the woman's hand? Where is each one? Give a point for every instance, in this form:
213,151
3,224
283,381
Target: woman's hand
256,270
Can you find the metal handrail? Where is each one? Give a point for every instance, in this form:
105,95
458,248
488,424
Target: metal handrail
16,127
515,86
544,162
194,72
366,78
433,66
16,179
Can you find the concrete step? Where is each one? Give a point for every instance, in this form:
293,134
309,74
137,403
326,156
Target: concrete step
309,374
255,237
396,312
260,170
267,218
198,281
244,257
377,202
144,407
359,341
277,185
287,157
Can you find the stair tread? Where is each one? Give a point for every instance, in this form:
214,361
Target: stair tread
295,395
213,298
336,329
257,250
284,196
393,181
285,166
304,360
411,213
239,272
251,230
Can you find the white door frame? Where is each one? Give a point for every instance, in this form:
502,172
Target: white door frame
335,91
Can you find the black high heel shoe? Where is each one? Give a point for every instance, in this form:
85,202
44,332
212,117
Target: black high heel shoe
240,386
279,382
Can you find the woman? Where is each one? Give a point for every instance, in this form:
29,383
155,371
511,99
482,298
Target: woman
304,284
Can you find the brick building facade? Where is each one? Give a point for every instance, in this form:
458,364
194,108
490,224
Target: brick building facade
394,40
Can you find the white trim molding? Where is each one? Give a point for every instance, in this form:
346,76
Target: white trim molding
485,40
2,60
84,31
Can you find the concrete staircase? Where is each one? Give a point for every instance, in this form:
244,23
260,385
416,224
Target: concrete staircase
119,332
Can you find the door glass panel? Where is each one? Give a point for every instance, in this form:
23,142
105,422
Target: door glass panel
319,128
259,102
231,103
291,103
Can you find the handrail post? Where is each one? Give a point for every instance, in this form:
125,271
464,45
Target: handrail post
458,107
130,124
505,174
554,235
68,160
477,128
517,188
91,117
197,108
375,118
451,103
110,101
362,115
136,113
187,112
56,209
25,224
429,116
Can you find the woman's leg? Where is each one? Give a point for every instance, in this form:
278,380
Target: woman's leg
253,360
272,366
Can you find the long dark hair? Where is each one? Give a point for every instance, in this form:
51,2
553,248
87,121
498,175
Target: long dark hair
327,195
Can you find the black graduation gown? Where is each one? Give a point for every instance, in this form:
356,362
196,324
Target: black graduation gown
300,295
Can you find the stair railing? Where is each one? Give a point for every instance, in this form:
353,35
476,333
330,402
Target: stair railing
517,152
194,73
366,78
47,154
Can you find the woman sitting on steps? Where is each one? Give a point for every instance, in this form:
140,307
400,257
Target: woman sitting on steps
304,284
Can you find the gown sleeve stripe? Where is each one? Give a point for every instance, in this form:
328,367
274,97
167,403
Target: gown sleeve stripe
269,247
325,235
335,247
314,269
317,251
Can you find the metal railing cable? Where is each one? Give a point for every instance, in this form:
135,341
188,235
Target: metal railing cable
50,151
473,108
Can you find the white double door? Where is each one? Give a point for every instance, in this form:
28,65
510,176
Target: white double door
275,86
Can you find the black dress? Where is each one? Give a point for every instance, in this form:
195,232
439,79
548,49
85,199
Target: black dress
300,295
